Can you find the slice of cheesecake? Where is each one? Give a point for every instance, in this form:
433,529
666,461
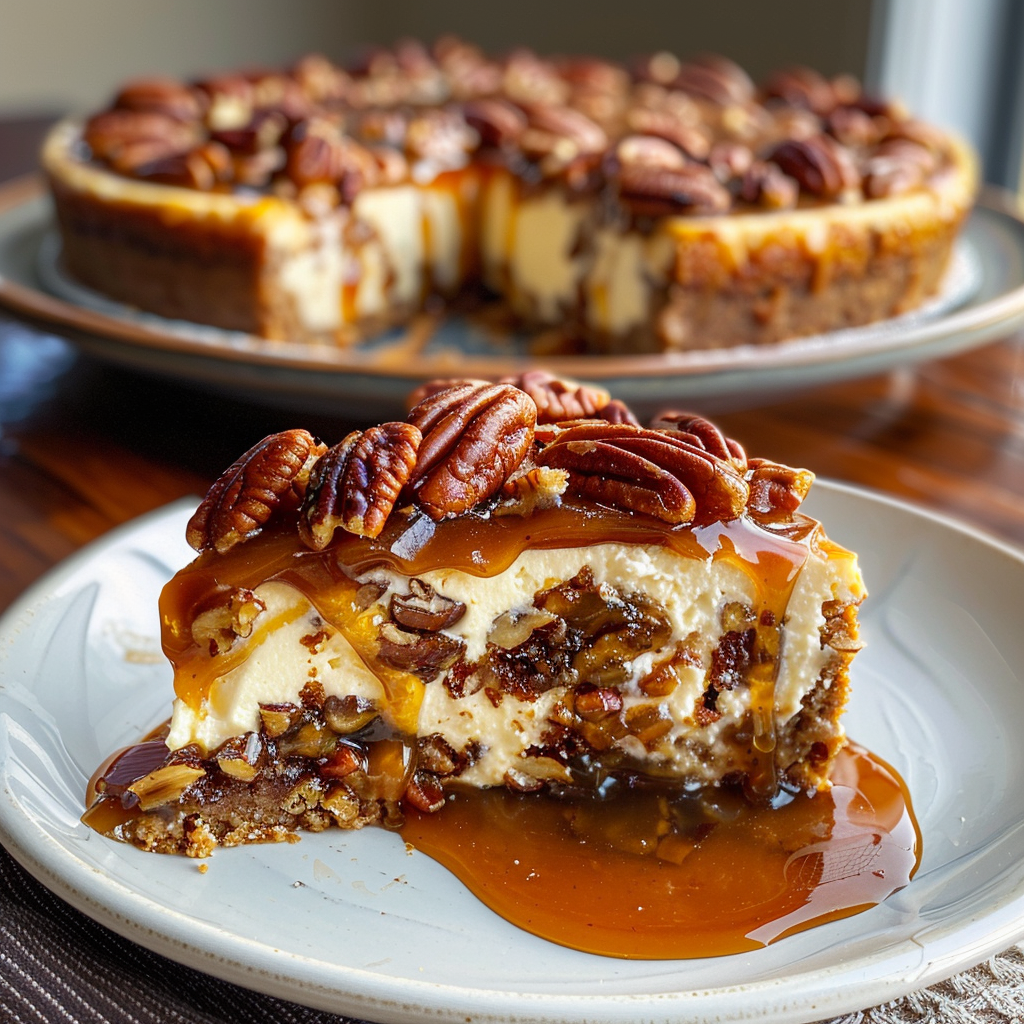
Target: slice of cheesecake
517,586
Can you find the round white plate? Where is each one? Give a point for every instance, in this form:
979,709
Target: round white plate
983,299
351,922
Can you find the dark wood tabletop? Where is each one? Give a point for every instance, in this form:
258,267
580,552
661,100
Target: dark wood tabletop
86,446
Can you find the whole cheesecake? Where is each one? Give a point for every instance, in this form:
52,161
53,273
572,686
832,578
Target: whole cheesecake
662,206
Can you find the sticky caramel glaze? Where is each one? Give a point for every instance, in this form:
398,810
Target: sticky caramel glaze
648,876
480,545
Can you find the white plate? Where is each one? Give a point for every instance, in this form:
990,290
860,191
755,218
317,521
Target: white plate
354,924
983,299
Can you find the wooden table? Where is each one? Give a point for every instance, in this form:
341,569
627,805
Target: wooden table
86,446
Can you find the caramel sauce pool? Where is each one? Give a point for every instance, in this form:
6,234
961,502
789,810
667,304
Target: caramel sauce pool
638,876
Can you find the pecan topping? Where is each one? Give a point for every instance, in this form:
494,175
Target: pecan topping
802,87
423,609
474,437
163,786
667,125
263,132
820,164
355,485
655,472
114,133
618,412
162,96
528,79
440,136
703,433
496,121
200,169
563,131
852,127
897,166
730,160
776,490
559,399
717,79
649,151
269,478
431,387
767,185
924,134
317,154
654,191
241,757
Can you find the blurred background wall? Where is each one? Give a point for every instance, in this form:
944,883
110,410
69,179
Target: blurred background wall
66,55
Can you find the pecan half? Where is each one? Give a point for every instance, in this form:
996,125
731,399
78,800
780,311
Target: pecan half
270,477
655,472
316,153
820,164
355,485
201,168
775,489
665,125
474,437
496,121
802,87
160,95
558,398
563,128
441,136
852,127
617,412
730,160
649,151
716,79
657,191
702,432
431,387
113,133
897,166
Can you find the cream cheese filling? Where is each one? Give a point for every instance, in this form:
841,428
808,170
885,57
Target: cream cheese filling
691,592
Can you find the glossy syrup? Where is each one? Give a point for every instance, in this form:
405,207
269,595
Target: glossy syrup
644,876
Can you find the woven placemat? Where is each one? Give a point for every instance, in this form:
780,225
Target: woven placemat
57,965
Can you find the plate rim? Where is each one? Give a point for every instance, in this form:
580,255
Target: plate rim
224,955
979,322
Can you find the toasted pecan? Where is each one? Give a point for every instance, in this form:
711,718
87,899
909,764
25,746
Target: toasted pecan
269,478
